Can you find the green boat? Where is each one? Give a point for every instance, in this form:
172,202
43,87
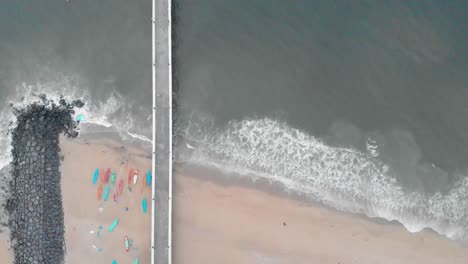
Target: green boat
136,261
113,177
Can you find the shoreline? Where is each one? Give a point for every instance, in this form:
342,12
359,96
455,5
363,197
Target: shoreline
278,189
206,196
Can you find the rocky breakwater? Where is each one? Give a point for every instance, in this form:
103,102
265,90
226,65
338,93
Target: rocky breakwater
35,204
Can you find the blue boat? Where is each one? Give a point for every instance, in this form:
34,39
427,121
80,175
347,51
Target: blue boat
113,225
96,176
148,178
144,205
106,192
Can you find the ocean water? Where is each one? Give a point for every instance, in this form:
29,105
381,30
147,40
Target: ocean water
361,106
97,51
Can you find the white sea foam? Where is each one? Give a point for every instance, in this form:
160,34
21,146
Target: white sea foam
346,179
115,112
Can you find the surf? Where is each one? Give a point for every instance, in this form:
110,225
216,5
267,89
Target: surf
346,179
113,113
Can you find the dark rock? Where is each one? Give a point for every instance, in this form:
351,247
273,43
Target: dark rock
34,206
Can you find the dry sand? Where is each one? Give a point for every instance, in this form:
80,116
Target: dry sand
82,207
6,253
227,224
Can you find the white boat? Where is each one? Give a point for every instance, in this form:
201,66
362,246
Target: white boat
135,178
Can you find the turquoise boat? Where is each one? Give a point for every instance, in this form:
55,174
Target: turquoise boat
143,205
148,178
113,177
95,176
136,261
113,225
106,193
114,261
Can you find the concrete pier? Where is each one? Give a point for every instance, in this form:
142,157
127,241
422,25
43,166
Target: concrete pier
162,132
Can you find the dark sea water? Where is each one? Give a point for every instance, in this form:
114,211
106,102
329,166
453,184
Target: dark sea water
363,105
98,51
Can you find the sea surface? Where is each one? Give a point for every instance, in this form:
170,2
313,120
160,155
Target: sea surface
97,51
361,105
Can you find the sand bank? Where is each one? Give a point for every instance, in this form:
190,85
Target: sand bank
216,223
82,213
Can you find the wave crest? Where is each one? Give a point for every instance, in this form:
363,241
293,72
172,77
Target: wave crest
346,179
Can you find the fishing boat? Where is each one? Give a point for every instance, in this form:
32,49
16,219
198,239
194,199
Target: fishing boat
136,261
143,184
113,177
113,225
135,177
120,187
95,176
115,196
108,173
148,178
144,205
127,244
106,192
130,176
99,192
102,175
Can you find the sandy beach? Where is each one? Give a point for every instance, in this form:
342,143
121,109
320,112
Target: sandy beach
6,254
218,223
82,214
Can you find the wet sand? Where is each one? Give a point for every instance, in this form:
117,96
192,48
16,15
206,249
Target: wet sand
81,206
219,223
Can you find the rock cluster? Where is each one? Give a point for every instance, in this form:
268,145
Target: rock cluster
35,203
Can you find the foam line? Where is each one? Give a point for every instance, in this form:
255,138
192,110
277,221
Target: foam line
346,179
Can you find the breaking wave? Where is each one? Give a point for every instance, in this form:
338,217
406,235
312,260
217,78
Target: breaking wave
346,179
115,112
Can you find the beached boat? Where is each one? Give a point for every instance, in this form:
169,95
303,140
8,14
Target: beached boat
99,192
113,177
148,178
143,184
106,192
127,244
135,177
108,173
115,196
130,176
95,176
144,205
113,225
136,261
120,187
102,175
